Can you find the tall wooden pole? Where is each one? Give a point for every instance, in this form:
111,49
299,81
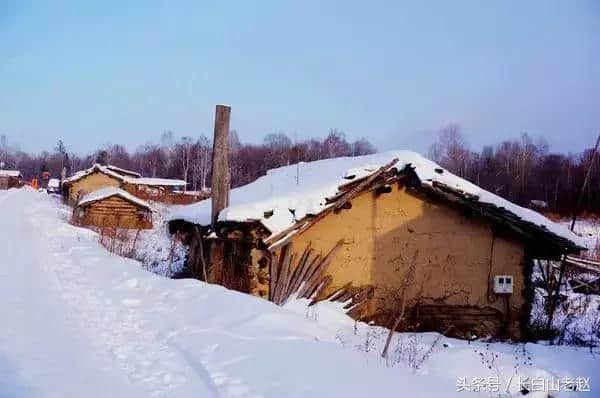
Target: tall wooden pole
220,162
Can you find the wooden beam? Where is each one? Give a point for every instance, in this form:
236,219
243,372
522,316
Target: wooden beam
307,221
315,278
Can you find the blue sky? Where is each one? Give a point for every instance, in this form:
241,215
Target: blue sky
395,72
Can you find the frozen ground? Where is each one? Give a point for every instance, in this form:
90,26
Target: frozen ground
78,321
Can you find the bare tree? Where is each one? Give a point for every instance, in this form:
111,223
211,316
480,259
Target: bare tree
183,151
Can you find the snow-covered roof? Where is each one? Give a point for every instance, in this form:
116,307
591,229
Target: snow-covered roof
120,175
96,167
292,192
112,191
123,171
10,173
53,183
156,181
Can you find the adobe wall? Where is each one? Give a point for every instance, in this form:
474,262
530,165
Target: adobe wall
91,183
454,252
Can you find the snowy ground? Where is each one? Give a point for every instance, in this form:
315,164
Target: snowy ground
78,321
577,319
589,229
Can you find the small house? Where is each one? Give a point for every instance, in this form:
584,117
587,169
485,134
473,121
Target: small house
10,179
152,187
98,176
90,180
113,207
372,231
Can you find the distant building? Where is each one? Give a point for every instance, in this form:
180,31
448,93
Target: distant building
10,179
98,176
90,180
113,207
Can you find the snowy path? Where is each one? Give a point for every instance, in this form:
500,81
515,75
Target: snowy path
96,348
82,322
52,350
77,321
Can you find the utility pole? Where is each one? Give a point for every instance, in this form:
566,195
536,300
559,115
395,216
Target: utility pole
220,163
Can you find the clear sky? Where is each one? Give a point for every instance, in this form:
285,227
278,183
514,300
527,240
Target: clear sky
93,72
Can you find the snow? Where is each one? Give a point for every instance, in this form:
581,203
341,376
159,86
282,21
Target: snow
589,229
122,171
78,321
10,173
114,171
53,183
107,192
96,167
156,181
304,187
577,318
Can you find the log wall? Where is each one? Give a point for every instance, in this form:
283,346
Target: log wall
115,212
164,195
7,182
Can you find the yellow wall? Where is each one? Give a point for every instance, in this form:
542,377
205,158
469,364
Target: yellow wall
381,236
91,183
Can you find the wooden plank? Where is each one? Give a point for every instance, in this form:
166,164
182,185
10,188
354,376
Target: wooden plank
274,271
286,281
300,271
315,277
283,272
357,189
321,287
309,270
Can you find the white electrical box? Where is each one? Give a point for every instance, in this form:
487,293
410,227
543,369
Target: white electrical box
503,284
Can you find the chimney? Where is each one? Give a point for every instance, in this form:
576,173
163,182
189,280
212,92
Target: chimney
220,162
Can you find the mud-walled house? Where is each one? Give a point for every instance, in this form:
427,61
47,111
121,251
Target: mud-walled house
360,230
92,179
98,176
112,207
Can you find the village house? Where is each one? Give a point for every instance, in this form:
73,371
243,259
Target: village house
376,232
10,179
101,176
92,179
160,189
113,207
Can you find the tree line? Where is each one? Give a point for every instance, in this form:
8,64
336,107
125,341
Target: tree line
523,171
186,157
